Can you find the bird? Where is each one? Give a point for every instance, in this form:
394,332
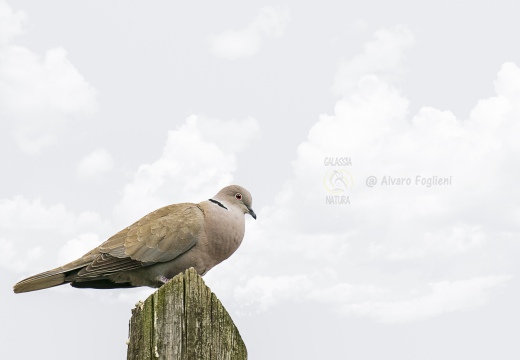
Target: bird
159,246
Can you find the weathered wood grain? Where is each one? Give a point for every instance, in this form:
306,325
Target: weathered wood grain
183,320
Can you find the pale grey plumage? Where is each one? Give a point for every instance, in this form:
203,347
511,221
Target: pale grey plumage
158,246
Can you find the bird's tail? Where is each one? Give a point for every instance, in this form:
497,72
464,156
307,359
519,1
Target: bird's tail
40,281
61,275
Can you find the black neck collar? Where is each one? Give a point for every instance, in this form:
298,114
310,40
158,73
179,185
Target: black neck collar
218,203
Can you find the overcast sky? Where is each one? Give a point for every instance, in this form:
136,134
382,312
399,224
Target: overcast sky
380,142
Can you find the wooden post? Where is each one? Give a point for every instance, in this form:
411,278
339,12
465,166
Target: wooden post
183,320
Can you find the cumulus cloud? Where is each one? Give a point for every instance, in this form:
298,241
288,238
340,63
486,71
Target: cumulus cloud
393,238
20,212
11,23
197,160
380,303
229,135
442,297
38,94
31,228
371,125
96,163
263,292
12,260
238,44
382,56
459,238
77,247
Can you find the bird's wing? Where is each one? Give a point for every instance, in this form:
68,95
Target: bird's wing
160,236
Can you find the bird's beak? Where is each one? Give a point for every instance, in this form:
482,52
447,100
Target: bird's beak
252,213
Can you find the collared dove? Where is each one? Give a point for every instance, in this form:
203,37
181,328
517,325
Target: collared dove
159,246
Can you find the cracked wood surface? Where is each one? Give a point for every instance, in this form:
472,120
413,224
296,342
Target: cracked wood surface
183,320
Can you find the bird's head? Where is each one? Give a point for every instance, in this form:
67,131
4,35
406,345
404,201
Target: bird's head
237,196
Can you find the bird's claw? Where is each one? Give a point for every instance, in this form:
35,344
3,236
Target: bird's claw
163,279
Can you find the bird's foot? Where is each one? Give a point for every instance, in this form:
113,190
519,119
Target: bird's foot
163,279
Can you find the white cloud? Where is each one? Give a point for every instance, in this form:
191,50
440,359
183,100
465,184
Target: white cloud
77,247
436,234
443,297
262,292
382,57
20,212
508,82
197,160
29,228
11,260
38,95
229,135
371,126
96,163
459,238
11,23
344,293
238,44
380,303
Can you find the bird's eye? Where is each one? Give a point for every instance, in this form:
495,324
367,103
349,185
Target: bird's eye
238,196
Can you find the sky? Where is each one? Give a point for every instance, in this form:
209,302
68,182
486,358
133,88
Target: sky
379,141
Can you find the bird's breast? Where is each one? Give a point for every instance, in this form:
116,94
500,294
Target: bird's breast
225,231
